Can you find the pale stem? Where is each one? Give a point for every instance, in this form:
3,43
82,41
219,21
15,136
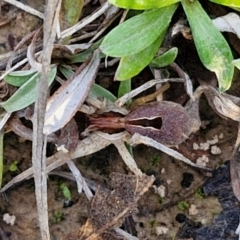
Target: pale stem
81,184
138,139
121,101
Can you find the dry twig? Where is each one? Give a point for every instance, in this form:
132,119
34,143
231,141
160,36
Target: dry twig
39,139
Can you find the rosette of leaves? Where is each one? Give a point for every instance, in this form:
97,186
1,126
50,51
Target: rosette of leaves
137,40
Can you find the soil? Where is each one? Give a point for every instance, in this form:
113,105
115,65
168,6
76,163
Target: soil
182,204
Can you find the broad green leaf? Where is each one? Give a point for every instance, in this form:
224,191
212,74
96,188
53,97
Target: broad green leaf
26,94
66,71
70,14
137,33
96,90
130,66
229,3
165,59
142,4
236,63
212,47
18,78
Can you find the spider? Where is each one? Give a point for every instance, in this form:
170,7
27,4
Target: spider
172,124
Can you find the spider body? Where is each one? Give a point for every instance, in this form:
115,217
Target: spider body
165,122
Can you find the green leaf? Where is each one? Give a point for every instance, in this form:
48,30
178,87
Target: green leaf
26,94
84,55
236,63
142,4
212,47
70,14
229,3
18,78
130,66
66,71
165,59
13,167
98,91
125,87
137,33
65,191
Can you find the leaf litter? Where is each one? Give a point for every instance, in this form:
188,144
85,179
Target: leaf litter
97,222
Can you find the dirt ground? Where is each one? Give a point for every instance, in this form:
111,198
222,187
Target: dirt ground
173,209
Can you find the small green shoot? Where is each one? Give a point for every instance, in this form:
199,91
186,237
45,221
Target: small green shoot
65,191
183,205
57,217
213,214
153,223
160,200
13,167
154,160
199,193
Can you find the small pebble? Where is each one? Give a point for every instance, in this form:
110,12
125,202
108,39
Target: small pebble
161,190
202,160
161,230
195,146
193,210
215,150
9,219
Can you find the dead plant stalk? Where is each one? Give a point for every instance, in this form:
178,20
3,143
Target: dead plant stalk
39,139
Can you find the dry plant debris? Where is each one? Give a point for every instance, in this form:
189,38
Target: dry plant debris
109,209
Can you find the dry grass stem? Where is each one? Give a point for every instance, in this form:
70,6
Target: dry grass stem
122,101
39,139
25,8
68,32
81,184
85,147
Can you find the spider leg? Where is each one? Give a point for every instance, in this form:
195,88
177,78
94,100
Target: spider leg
138,139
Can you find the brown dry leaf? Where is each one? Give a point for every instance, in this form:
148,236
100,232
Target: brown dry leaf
69,136
225,105
109,210
4,90
71,95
